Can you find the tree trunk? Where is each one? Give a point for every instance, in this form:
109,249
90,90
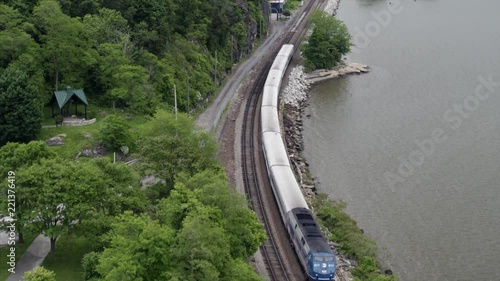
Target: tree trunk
52,245
113,105
56,70
21,237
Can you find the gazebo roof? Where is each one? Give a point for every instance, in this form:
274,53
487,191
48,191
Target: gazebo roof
64,96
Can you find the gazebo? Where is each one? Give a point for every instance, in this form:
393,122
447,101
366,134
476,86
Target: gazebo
64,96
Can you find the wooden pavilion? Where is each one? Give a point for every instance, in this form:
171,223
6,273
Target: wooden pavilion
63,97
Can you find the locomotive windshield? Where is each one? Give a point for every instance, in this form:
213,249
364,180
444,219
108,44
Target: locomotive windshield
324,258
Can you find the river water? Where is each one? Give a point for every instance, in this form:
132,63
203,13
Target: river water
413,147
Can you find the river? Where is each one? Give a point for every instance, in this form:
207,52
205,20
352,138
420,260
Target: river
413,147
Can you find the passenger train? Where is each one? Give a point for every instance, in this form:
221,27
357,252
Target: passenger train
311,246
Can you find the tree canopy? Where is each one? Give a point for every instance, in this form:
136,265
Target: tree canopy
128,53
115,133
202,231
20,107
170,144
329,40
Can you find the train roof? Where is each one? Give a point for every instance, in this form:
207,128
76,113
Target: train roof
270,96
287,188
283,57
286,50
280,63
269,119
274,149
274,78
311,231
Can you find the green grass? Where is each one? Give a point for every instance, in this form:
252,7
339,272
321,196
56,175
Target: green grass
20,249
75,139
66,262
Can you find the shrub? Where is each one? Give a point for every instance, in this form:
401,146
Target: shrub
39,274
115,133
353,242
89,264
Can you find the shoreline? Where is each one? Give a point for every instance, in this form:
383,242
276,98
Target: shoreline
295,95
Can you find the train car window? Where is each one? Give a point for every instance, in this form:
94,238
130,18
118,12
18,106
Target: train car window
304,217
329,258
303,242
296,226
319,259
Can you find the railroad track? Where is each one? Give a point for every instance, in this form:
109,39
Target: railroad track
270,251
251,149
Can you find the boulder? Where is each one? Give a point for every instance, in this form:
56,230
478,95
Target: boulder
97,151
54,141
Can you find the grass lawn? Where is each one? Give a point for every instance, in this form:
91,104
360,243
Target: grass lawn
20,249
80,137
67,260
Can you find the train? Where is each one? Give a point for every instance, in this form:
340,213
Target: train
313,250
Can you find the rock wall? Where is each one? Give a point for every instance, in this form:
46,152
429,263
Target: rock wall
79,122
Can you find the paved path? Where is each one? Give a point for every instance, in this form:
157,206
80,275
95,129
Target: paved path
33,257
211,116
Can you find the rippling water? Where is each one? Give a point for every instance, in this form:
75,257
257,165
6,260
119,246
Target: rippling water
413,147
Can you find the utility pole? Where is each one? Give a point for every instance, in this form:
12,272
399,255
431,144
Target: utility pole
175,102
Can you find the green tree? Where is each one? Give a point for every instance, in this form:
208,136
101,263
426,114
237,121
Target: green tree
59,194
39,274
125,82
140,250
210,188
14,39
329,40
14,157
79,8
202,247
21,109
115,133
202,231
66,44
120,191
108,26
171,144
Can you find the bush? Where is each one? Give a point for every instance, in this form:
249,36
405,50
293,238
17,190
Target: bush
290,5
115,133
39,274
367,270
89,264
344,229
353,243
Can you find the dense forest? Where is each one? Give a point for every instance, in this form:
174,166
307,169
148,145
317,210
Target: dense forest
128,52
